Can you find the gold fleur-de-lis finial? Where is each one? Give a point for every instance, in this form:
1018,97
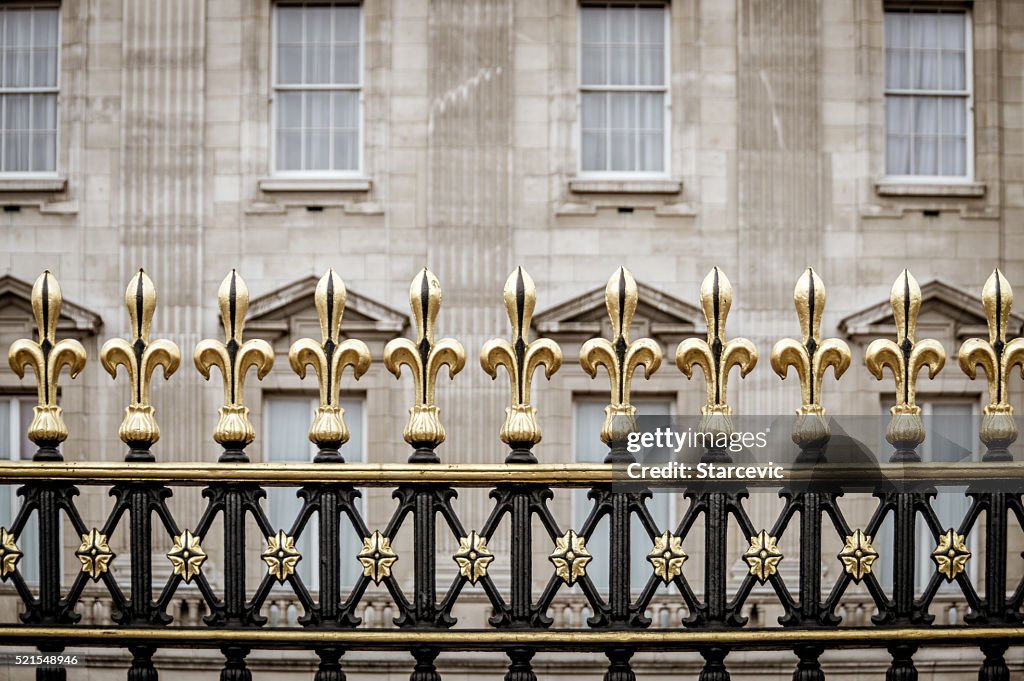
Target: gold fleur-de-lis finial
329,358
811,357
620,358
140,357
424,357
716,356
520,358
234,358
905,358
47,357
997,357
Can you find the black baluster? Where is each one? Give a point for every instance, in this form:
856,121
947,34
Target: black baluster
808,668
142,668
519,668
330,665
619,668
902,668
235,668
994,667
714,665
425,669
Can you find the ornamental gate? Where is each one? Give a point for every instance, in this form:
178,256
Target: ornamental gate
521,624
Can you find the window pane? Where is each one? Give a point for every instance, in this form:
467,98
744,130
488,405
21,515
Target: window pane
925,50
17,47
346,131
592,64
318,129
953,67
952,30
16,134
289,24
44,43
622,129
289,64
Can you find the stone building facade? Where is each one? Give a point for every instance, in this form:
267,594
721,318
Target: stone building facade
456,139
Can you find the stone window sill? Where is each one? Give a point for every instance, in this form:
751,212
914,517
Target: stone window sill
32,184
961,190
309,184
586,185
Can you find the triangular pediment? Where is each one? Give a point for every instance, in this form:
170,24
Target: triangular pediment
942,305
658,315
290,313
16,312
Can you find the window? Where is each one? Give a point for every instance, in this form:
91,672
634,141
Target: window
15,417
287,420
928,93
623,89
317,89
28,89
589,415
951,436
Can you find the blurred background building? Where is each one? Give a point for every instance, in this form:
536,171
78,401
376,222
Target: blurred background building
283,138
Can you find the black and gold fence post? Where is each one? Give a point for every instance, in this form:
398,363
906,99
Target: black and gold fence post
716,356
234,358
998,357
520,431
425,357
139,430
329,358
620,358
47,357
810,357
905,358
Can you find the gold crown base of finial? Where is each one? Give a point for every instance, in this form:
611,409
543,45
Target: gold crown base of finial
619,422
811,430
520,428
716,420
234,430
424,429
998,429
47,428
906,429
329,430
139,429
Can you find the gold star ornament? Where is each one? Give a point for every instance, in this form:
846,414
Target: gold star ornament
951,555
10,554
473,557
570,557
667,557
95,554
377,557
858,555
187,556
281,556
763,556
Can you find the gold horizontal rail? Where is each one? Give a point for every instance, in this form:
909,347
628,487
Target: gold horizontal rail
471,475
477,639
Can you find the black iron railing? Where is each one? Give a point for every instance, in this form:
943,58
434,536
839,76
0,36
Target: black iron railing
521,490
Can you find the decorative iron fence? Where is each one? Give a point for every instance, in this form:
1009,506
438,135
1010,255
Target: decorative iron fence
521,625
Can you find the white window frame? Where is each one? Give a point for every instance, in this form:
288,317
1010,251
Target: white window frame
313,554
638,401
666,89
54,90
276,87
968,176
